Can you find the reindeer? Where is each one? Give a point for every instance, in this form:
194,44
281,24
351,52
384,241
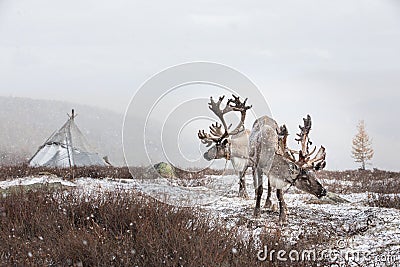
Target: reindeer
230,145
270,155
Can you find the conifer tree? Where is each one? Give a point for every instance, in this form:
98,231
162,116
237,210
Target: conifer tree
362,151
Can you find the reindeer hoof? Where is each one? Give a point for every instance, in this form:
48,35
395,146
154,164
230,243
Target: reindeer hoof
243,194
268,204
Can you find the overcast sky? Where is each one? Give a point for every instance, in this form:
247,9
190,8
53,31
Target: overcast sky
338,61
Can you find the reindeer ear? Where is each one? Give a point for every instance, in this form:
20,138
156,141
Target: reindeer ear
225,142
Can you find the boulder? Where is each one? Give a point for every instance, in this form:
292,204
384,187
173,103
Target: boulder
166,170
330,198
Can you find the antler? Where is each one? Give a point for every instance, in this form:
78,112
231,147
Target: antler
242,108
304,155
206,138
216,129
319,159
303,135
216,108
282,144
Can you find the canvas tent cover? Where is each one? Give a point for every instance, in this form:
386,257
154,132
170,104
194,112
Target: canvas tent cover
66,147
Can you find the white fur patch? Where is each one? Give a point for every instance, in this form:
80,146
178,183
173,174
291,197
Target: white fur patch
238,163
278,183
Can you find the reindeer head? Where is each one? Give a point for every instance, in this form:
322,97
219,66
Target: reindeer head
219,137
218,151
303,168
306,181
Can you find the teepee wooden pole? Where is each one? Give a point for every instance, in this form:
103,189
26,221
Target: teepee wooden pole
69,146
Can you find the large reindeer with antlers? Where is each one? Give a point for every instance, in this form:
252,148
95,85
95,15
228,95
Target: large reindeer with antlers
230,145
271,156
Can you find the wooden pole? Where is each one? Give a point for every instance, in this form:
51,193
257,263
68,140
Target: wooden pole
70,146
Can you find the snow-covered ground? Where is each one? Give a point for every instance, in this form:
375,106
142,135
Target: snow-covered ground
349,227
352,227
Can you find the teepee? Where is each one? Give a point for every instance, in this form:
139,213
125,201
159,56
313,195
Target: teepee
65,148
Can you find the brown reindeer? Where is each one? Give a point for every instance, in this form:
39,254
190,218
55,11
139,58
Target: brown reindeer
231,145
270,155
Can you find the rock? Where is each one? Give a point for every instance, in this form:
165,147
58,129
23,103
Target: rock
336,198
330,198
165,170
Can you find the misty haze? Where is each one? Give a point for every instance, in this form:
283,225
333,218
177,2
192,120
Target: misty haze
199,133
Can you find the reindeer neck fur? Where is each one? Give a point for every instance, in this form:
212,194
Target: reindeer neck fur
280,175
239,150
239,145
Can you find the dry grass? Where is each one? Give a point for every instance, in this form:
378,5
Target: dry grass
377,182
384,201
53,228
359,181
12,172
356,175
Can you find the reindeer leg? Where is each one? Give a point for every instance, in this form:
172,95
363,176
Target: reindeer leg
282,207
257,210
255,182
268,202
242,185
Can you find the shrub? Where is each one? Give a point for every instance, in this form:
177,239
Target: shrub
121,228
384,201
